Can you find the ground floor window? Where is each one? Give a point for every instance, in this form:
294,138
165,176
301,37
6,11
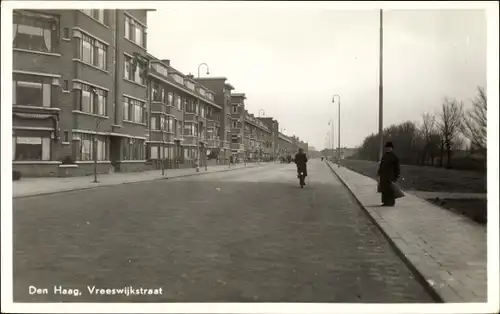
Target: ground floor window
27,148
86,147
133,149
189,153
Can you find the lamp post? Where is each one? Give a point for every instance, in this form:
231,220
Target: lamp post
381,88
94,138
338,144
263,112
162,155
330,123
198,133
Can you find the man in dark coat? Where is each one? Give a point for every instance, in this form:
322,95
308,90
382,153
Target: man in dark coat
301,162
388,172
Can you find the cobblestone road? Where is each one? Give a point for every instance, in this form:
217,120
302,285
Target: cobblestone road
245,236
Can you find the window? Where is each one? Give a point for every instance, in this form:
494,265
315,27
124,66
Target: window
35,31
202,108
134,110
189,106
99,15
133,149
91,50
190,85
92,100
153,125
160,68
170,99
210,134
179,129
66,85
190,129
31,90
87,148
135,31
179,79
178,102
157,92
169,124
235,108
34,148
66,136
201,91
133,72
66,33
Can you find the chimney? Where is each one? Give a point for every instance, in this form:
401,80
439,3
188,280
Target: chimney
166,61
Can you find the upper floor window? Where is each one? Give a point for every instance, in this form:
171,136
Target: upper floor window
201,91
235,109
35,31
190,85
92,100
133,73
134,110
170,99
90,50
160,68
178,104
210,96
157,92
98,14
31,90
179,79
135,31
190,106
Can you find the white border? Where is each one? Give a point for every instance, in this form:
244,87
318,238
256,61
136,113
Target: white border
493,215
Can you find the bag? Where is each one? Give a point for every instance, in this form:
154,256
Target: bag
396,189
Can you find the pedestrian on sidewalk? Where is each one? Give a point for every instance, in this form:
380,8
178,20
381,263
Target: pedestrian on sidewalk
388,172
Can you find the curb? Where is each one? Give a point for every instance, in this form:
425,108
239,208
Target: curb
132,182
418,275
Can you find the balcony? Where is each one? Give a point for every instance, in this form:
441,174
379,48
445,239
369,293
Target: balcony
190,117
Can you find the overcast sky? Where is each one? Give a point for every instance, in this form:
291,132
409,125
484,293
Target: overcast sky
290,62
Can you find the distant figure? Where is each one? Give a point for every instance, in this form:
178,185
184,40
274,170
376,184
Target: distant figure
388,172
301,162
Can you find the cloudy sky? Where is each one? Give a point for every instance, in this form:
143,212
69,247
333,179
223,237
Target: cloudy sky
291,61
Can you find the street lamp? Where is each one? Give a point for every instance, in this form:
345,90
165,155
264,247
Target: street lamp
339,154
94,139
198,133
263,112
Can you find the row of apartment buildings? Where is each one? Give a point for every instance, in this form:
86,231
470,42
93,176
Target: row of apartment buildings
87,92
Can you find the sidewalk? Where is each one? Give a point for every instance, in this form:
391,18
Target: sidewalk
40,186
448,250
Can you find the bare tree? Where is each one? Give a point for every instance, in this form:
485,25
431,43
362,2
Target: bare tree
427,129
474,123
449,125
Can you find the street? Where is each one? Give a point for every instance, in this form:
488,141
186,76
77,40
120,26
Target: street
251,235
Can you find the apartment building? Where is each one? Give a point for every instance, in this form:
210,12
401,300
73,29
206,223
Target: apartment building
78,92
257,138
237,125
184,118
285,145
222,90
273,126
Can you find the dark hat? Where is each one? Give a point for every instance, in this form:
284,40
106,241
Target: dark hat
389,144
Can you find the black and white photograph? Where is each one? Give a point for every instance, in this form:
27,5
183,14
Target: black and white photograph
250,157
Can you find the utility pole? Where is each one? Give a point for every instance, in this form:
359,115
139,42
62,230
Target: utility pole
381,89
